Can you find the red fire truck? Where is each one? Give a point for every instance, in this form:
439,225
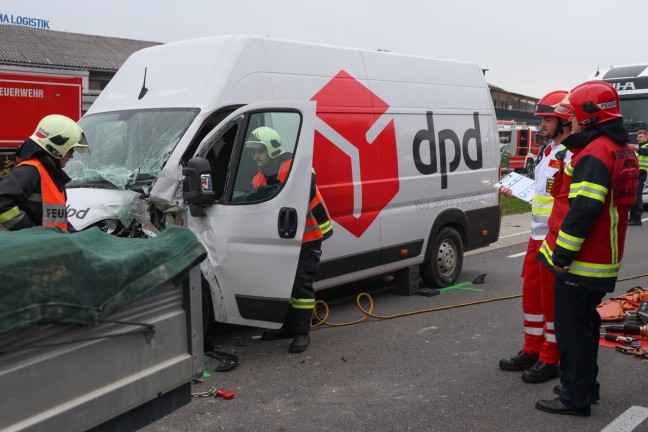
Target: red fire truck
520,144
26,97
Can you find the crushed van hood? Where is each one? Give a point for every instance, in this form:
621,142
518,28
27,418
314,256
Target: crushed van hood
87,206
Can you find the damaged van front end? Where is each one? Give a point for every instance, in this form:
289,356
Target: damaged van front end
113,187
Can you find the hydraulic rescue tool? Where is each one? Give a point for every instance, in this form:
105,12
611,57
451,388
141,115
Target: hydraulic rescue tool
628,329
625,340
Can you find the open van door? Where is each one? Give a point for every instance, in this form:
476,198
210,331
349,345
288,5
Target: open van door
253,233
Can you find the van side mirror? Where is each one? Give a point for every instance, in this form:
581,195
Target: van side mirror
197,184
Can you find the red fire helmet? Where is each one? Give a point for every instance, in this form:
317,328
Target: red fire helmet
548,104
594,102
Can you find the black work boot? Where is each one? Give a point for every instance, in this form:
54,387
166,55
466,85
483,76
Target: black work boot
541,372
285,331
280,333
558,389
520,362
300,343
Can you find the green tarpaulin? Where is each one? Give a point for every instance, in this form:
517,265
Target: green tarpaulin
47,276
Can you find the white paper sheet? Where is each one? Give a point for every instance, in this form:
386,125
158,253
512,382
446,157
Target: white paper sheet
521,186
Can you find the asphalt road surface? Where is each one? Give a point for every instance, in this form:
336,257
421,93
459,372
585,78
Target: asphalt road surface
432,371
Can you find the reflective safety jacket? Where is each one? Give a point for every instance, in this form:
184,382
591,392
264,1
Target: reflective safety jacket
556,156
588,223
318,222
33,194
260,179
54,211
642,154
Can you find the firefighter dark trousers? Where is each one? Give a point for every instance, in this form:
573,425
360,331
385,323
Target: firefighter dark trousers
577,333
637,210
302,298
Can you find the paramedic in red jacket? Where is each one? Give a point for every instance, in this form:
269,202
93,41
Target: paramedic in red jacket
539,356
274,164
33,193
587,228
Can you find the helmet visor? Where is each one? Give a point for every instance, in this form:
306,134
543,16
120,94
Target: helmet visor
564,109
82,146
544,110
254,144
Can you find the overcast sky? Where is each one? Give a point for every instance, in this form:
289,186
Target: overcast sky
528,47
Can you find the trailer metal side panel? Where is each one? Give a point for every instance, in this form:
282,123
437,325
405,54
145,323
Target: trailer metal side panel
111,369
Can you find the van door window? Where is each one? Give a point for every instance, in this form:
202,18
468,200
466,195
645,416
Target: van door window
219,155
265,156
204,130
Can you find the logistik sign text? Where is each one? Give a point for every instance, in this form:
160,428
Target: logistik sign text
24,21
460,148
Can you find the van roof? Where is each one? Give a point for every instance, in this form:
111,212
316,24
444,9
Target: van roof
239,69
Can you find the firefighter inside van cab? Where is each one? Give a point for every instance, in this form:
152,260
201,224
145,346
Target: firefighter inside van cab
587,227
273,163
33,193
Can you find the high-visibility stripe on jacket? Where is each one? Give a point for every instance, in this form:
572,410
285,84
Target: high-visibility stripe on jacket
542,202
8,216
260,178
588,224
318,222
54,211
302,303
643,159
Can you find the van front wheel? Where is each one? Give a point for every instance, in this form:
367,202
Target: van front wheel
207,310
445,259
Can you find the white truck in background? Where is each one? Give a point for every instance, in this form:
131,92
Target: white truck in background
405,149
631,82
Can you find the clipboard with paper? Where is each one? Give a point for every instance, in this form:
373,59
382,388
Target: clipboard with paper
522,187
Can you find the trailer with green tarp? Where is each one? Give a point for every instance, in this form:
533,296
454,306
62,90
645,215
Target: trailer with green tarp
97,331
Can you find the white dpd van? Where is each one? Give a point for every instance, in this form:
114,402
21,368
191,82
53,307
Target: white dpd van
405,151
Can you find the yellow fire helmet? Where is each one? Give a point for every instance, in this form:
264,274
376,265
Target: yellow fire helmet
267,137
58,134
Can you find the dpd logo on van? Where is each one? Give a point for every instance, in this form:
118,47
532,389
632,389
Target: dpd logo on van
364,170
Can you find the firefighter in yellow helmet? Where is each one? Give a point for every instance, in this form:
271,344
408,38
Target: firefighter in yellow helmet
274,164
272,161
33,193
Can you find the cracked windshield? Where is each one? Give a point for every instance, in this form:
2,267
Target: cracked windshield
127,147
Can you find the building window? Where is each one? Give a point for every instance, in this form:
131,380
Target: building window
98,84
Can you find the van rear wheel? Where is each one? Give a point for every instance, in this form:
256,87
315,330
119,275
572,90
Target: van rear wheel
445,259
